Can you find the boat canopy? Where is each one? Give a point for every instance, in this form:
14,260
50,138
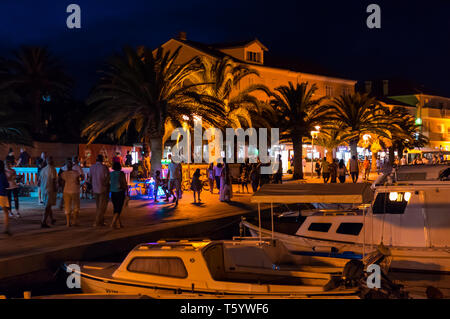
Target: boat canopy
290,193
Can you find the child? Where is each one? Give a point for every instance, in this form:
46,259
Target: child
196,185
159,183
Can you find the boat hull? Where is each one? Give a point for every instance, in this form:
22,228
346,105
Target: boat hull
97,286
415,259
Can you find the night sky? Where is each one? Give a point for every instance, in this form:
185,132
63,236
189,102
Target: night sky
413,41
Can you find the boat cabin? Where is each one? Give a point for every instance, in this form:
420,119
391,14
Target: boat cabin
233,266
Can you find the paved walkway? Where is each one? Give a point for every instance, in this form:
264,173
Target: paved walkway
142,216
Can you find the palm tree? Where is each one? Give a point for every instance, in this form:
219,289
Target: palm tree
148,92
330,139
298,114
35,74
224,77
359,114
405,132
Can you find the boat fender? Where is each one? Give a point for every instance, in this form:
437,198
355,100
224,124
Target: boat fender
325,249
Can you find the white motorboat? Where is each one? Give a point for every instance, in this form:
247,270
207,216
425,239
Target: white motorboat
246,268
410,217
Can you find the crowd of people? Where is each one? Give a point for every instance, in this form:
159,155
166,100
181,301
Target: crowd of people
337,170
69,181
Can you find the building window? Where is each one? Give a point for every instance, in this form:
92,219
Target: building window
322,227
440,128
349,228
328,90
253,56
448,130
160,266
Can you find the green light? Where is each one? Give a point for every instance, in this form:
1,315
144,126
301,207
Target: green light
418,121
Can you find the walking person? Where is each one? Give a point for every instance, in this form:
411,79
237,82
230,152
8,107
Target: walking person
317,168
119,191
278,176
245,174
325,170
13,189
70,182
41,162
174,176
217,173
100,180
48,181
366,166
226,191
159,183
24,158
333,171
196,185
210,172
342,171
254,177
354,168
4,203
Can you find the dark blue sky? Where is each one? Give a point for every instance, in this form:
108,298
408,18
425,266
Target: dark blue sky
413,41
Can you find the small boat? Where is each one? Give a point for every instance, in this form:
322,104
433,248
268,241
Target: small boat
238,268
409,216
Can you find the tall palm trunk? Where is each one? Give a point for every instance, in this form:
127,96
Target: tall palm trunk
298,154
330,155
353,147
374,161
391,155
156,149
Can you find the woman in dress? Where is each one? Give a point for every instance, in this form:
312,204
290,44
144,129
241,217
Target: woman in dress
342,171
210,172
226,191
196,185
13,189
245,175
119,190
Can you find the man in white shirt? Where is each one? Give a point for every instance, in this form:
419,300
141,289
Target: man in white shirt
48,180
99,175
70,181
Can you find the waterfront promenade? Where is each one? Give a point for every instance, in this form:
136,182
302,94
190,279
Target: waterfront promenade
32,249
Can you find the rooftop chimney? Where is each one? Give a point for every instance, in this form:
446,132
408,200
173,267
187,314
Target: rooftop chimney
182,35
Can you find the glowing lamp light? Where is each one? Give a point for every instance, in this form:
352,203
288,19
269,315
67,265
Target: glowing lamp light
407,196
185,117
393,196
418,121
317,127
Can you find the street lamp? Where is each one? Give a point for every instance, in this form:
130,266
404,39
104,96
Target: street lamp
313,135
